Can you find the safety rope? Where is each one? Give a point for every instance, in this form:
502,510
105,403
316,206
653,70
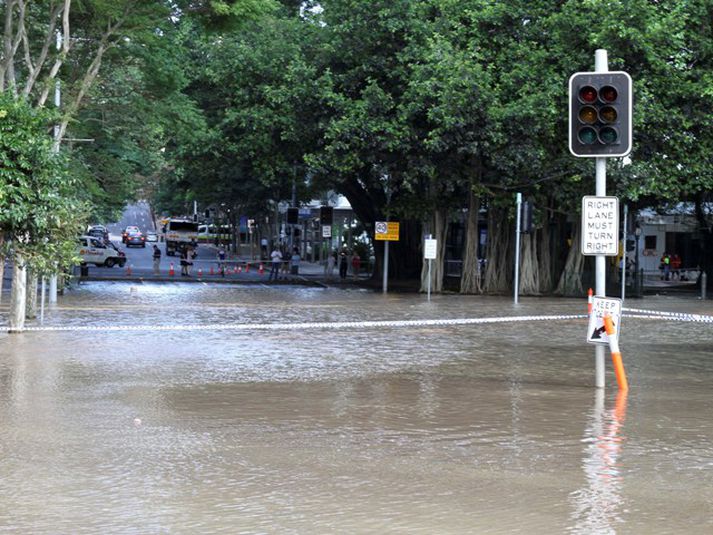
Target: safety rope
674,316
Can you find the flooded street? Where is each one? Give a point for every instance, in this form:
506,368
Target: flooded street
487,428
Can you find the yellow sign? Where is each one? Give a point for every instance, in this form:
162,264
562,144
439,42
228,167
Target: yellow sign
386,231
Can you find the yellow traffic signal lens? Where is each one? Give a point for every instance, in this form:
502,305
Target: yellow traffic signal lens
588,115
608,114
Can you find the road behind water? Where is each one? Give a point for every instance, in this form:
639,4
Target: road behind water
460,429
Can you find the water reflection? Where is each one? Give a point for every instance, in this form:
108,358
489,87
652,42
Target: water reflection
599,505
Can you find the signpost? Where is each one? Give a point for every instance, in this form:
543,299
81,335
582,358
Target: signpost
603,306
430,252
600,127
386,231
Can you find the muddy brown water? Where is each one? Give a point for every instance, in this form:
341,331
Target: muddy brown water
456,429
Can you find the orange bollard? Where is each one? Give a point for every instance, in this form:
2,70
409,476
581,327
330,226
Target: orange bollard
616,354
171,273
262,269
590,300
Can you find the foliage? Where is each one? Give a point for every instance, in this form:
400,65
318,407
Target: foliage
38,209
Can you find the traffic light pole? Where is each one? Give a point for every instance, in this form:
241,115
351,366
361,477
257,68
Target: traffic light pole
601,64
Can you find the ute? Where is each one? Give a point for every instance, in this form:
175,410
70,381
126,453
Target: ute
96,251
178,233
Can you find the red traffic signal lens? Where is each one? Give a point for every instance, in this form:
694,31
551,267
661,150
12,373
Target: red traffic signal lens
587,135
608,93
588,94
588,115
608,135
608,114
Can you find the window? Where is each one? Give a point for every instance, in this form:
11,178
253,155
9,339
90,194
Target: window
649,242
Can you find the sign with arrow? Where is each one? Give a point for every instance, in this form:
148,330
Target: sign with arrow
603,306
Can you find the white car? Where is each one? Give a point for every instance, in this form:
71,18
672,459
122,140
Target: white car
95,251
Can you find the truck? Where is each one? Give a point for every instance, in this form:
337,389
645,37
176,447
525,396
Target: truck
179,233
93,250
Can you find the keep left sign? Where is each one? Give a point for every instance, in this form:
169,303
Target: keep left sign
602,306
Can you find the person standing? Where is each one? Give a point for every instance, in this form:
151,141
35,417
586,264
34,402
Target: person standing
221,262
331,261
356,265
276,258
295,262
156,260
343,264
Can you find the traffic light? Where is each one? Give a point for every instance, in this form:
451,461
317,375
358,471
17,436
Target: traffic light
325,215
600,114
293,215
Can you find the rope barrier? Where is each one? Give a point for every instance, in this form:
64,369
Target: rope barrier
675,316
309,325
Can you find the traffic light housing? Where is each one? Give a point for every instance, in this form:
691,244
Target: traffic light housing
600,114
326,215
293,216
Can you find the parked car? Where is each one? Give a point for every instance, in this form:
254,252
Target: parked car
99,231
127,230
93,250
136,238
151,236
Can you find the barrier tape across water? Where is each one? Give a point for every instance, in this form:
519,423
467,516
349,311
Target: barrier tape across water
308,325
628,312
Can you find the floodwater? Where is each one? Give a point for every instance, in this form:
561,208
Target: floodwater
429,430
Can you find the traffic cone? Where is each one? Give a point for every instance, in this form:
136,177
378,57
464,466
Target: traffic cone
262,269
238,269
200,272
171,272
211,270
247,267
128,269
590,301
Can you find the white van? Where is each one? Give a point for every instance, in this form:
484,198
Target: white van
93,250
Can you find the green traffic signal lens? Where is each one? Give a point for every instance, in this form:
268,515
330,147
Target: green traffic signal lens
608,93
587,135
608,114
608,135
588,115
588,94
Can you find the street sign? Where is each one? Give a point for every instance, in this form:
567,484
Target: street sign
386,231
601,306
430,248
600,226
326,231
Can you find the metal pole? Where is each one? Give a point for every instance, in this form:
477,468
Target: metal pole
704,284
385,282
518,204
601,64
429,275
623,253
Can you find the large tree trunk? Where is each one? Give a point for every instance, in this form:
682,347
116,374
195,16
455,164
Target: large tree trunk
529,272
17,295
498,273
546,263
2,264
570,282
439,228
471,281
31,295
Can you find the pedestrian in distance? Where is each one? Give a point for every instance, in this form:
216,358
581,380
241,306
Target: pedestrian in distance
186,256
665,267
156,260
676,267
276,259
356,265
295,262
221,261
343,264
